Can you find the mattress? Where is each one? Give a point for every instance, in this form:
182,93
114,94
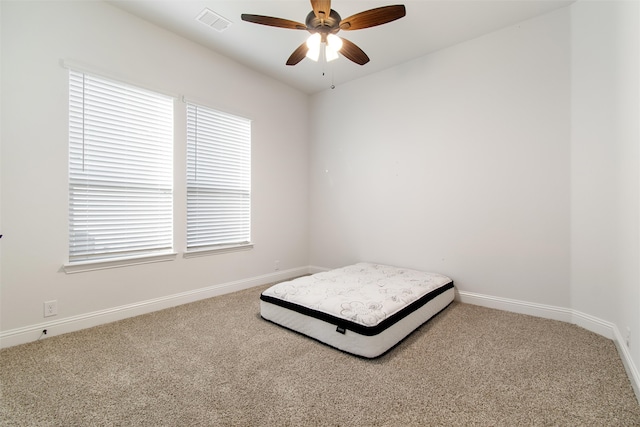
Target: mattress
363,309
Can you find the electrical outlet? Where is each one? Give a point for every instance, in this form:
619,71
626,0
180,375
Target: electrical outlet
50,308
276,265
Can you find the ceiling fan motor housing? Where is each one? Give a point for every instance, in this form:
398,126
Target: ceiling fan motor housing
328,25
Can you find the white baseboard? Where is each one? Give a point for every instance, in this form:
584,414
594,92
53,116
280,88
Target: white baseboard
629,366
313,269
606,329
31,333
75,323
522,307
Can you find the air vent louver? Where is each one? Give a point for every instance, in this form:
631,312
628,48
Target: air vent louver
213,20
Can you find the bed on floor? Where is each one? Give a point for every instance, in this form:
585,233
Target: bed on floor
364,309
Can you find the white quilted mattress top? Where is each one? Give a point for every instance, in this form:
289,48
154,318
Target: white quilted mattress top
363,293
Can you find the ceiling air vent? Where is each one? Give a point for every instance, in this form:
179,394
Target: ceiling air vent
211,19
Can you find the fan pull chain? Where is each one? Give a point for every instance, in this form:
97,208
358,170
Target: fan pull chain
324,72
333,86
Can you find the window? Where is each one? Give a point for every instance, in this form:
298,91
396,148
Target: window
120,170
218,179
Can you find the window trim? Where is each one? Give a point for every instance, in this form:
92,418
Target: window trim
222,249
84,266
74,267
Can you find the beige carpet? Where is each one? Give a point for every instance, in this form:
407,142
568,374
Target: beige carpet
215,362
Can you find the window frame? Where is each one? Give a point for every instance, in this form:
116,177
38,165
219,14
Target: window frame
109,259
231,133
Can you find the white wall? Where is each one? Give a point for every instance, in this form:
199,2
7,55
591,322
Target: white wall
509,162
457,162
35,37
605,121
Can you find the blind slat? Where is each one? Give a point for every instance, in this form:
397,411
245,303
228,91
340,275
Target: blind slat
120,170
218,178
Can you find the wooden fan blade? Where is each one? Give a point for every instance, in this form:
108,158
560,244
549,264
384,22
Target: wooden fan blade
298,54
373,17
321,8
273,22
354,53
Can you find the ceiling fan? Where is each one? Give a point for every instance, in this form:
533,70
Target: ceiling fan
323,23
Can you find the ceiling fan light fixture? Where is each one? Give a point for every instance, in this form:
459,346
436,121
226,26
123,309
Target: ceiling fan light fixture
334,44
313,43
330,53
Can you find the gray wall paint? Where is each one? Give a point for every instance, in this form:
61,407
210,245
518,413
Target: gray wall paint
35,37
457,162
605,123
509,162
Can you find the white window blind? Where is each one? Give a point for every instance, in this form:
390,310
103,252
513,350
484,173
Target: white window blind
120,170
218,179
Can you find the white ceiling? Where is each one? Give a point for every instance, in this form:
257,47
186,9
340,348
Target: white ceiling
429,25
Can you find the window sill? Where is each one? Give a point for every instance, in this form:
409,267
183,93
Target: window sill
81,267
217,250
